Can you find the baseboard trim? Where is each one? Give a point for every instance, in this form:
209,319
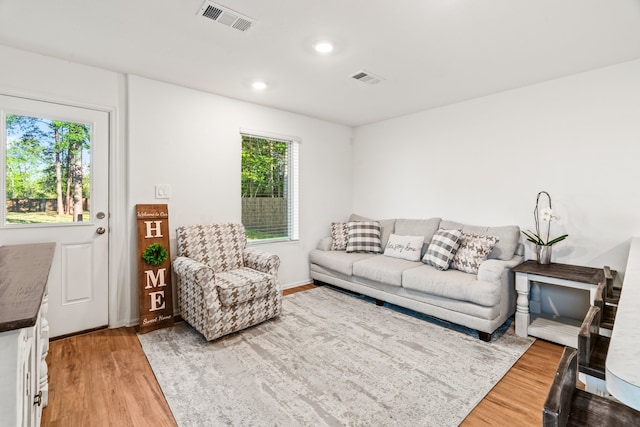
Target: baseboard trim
83,332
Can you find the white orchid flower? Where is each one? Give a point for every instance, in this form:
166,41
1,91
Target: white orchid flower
547,215
542,237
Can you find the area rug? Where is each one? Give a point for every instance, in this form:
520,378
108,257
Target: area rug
329,360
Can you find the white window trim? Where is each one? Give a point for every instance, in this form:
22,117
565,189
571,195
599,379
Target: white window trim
269,135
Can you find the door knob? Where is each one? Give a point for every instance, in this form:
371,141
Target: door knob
100,230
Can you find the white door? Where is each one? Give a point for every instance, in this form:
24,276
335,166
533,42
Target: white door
55,183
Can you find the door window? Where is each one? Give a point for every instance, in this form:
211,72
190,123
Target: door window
47,171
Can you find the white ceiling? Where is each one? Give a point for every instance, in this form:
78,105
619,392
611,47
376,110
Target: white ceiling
430,52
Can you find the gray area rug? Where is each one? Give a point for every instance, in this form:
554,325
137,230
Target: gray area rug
329,360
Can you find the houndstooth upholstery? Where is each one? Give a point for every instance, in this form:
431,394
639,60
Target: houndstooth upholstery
223,286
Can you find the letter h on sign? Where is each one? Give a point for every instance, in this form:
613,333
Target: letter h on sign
151,229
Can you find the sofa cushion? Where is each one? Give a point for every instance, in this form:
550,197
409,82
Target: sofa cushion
387,226
339,261
243,285
452,284
364,236
442,248
404,247
339,236
417,227
383,269
508,235
472,252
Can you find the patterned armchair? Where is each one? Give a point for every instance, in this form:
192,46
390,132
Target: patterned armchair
223,286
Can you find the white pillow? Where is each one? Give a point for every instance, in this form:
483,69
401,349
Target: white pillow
404,247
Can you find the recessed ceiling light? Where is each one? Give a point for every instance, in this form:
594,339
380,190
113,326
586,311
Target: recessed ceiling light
259,85
323,47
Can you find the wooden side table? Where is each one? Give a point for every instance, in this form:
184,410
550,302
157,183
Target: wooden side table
529,318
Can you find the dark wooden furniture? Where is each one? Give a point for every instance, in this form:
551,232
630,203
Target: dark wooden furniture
607,311
592,347
574,273
610,300
613,293
567,405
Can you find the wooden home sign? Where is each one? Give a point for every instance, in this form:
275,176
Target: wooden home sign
154,268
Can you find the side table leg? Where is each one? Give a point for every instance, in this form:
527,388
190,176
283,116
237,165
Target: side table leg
522,305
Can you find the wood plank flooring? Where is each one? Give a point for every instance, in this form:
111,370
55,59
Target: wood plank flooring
103,379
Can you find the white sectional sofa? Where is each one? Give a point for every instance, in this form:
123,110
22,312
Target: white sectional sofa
482,301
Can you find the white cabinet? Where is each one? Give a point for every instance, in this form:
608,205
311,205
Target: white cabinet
24,334
20,368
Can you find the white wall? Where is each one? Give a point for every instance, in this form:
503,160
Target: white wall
191,141
483,162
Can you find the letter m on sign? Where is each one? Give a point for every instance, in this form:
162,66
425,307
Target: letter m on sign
155,280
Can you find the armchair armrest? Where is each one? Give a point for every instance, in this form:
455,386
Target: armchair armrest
492,270
261,261
192,271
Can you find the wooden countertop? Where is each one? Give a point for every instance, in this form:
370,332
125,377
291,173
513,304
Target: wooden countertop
24,270
576,273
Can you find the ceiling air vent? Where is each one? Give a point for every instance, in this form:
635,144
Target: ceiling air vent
367,77
225,16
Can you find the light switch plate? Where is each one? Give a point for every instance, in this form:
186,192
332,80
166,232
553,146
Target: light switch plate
163,191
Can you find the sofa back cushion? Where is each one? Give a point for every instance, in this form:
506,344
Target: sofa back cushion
418,227
508,237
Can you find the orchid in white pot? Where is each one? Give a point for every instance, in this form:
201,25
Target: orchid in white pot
541,238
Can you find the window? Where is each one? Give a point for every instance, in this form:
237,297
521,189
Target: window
47,167
269,188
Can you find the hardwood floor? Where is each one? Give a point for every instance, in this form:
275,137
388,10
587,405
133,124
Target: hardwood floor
103,379
517,400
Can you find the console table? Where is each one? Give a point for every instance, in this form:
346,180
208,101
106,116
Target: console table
24,332
529,318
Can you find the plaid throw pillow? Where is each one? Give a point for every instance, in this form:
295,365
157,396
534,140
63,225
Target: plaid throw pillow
442,248
339,236
364,236
473,251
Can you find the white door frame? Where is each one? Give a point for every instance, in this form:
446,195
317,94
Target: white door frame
119,245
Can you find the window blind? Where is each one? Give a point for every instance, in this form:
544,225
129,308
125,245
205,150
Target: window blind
269,188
